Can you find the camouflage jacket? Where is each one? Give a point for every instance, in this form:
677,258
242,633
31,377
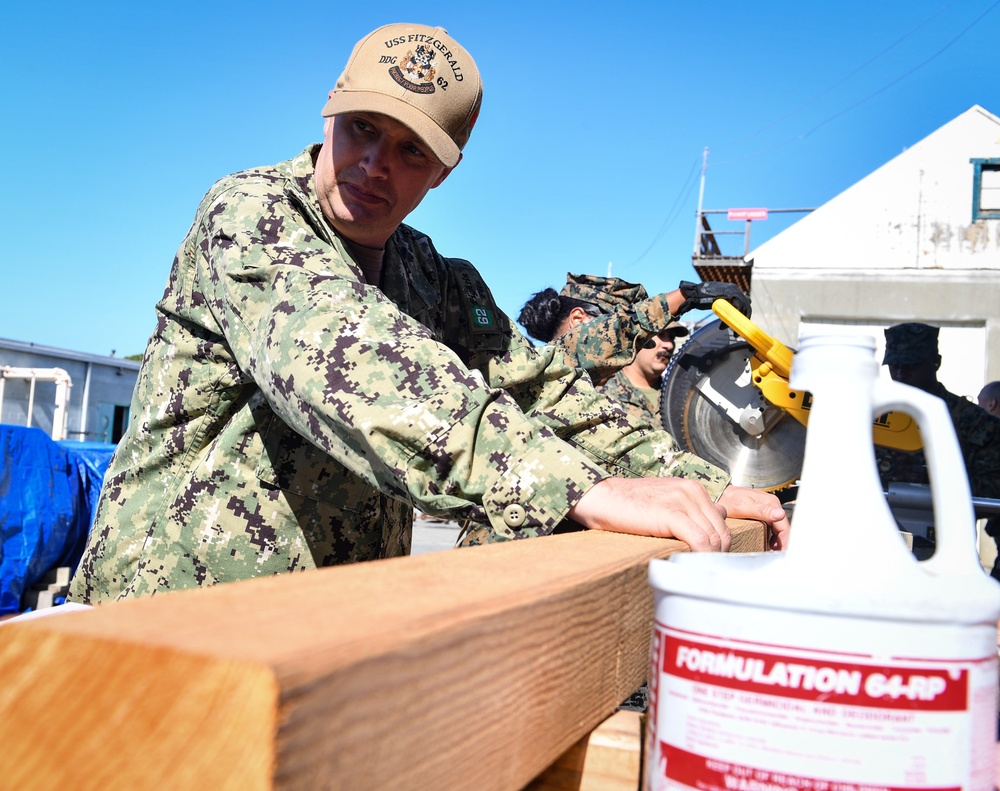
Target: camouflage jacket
978,437
635,401
604,345
288,415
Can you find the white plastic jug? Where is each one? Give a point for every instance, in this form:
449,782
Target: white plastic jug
843,663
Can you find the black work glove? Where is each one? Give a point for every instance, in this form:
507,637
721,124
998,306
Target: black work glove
702,295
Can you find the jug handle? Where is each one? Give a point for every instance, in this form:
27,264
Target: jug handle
954,517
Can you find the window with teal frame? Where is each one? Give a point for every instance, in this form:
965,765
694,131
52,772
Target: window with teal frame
985,189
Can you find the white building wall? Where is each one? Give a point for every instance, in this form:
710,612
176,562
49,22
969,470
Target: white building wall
914,212
899,245
99,386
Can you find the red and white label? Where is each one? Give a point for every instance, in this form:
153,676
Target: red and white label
699,772
746,214
736,716
826,680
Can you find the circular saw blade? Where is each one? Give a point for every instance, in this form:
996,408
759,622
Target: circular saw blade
710,405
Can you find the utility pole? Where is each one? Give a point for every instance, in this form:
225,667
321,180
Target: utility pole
701,198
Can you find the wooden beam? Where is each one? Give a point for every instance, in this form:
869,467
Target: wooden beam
474,668
609,758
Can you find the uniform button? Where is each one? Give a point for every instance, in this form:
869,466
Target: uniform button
513,515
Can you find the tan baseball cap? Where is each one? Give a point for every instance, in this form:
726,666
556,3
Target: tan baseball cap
421,77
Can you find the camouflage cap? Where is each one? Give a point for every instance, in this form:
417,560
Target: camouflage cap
607,293
419,76
910,344
675,328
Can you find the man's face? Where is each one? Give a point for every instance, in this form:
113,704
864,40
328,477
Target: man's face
989,402
371,172
653,358
922,375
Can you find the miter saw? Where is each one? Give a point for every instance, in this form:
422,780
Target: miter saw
725,397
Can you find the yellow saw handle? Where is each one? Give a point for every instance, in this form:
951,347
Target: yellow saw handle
772,367
769,349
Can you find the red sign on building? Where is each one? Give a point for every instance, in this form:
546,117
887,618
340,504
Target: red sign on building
746,214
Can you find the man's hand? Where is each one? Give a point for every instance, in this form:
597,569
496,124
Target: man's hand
677,508
741,503
702,295
665,507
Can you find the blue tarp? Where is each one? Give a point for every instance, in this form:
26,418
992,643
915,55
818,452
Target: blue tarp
48,493
91,459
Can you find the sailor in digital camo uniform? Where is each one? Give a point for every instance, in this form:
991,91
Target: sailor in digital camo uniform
603,322
318,370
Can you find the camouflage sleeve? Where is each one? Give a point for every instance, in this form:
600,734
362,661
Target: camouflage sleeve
979,438
369,385
553,392
978,435
608,343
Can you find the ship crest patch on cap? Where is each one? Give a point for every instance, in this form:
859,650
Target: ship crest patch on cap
416,73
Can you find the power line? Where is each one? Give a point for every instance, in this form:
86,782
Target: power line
674,211
906,74
845,78
869,97
688,186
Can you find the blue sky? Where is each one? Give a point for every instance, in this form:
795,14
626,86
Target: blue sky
117,117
